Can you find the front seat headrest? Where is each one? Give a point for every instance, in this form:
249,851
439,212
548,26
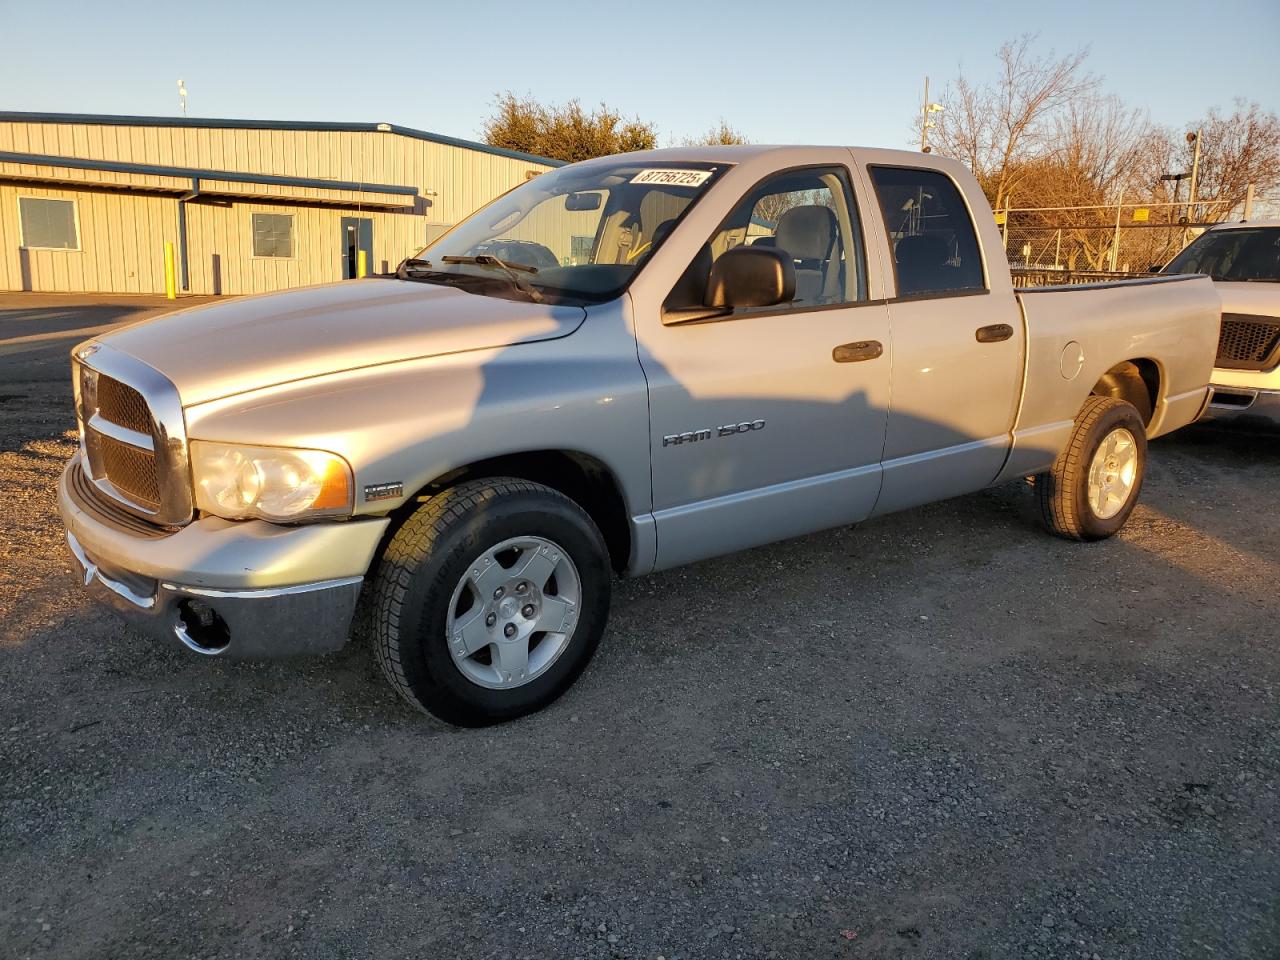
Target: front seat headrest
661,230
807,232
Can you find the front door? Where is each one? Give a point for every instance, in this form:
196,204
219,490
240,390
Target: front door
357,235
769,422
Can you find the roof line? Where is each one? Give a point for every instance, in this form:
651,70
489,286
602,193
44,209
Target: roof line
100,119
196,173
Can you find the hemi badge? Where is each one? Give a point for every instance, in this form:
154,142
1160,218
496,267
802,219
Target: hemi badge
383,491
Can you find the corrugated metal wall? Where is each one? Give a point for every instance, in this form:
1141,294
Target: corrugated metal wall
122,232
122,238
220,246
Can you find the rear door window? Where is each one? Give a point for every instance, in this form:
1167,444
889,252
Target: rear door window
935,248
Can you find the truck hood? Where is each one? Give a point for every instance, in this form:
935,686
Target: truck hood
227,348
1261,298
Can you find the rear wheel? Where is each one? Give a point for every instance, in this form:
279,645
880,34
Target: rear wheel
490,601
1094,484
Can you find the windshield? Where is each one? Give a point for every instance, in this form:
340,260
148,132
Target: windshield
577,234
1238,254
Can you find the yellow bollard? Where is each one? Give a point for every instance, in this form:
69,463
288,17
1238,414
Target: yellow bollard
362,264
170,283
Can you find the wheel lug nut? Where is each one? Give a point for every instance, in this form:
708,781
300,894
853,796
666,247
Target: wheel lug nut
497,594
522,587
509,630
527,611
490,620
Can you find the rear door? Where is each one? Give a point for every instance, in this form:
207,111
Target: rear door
958,340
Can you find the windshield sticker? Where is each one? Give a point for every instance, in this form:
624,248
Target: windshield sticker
673,178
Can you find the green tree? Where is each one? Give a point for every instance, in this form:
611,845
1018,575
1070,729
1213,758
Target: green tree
564,131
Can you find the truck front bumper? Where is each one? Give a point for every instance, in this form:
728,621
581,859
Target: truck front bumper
247,589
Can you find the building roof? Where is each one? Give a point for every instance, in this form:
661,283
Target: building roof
198,180
100,119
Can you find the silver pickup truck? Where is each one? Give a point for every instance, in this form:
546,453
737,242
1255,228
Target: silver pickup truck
619,366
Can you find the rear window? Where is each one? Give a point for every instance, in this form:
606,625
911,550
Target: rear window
935,248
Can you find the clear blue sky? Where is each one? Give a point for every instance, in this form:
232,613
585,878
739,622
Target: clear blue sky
824,72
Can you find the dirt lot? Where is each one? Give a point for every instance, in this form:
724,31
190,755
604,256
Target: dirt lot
941,734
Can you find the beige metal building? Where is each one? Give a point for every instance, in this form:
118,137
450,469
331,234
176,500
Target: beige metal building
88,202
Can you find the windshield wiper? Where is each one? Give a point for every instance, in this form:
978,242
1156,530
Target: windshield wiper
414,268
489,260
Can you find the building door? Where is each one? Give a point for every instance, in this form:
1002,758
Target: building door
357,235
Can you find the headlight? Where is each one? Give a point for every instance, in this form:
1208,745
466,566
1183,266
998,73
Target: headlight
270,483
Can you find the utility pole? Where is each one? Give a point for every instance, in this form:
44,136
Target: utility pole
1193,138
926,124
1248,203
1115,240
182,96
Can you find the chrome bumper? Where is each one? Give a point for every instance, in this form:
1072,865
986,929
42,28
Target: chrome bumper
223,589
1244,405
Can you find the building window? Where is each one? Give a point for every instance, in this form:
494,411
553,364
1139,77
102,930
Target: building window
48,224
272,235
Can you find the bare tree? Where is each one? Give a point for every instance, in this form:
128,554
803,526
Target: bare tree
998,127
1094,156
1235,151
564,132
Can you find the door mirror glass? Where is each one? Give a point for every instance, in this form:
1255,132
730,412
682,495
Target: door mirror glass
582,201
751,277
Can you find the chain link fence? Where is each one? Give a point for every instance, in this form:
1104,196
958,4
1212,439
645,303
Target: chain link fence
1088,243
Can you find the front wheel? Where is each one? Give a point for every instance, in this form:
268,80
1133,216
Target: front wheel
1094,484
490,601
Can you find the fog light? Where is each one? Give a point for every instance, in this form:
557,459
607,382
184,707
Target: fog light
200,626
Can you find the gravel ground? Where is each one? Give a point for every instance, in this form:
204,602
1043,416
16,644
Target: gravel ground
940,734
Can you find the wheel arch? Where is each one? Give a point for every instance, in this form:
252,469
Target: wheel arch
583,478
1137,381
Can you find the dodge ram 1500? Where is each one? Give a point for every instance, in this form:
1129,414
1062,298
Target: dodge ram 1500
699,350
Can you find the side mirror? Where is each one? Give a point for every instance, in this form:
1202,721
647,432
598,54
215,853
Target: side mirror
751,277
582,201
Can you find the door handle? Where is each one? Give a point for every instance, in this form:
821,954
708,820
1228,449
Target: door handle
859,350
996,333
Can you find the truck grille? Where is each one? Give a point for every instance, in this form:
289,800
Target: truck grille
134,436
120,404
131,471
1248,342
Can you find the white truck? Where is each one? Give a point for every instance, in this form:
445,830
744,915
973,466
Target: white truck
1244,261
700,350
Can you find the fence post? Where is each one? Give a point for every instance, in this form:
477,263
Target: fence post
1115,240
362,264
170,284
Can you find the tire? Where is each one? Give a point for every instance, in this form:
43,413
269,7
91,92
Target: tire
1066,504
436,564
